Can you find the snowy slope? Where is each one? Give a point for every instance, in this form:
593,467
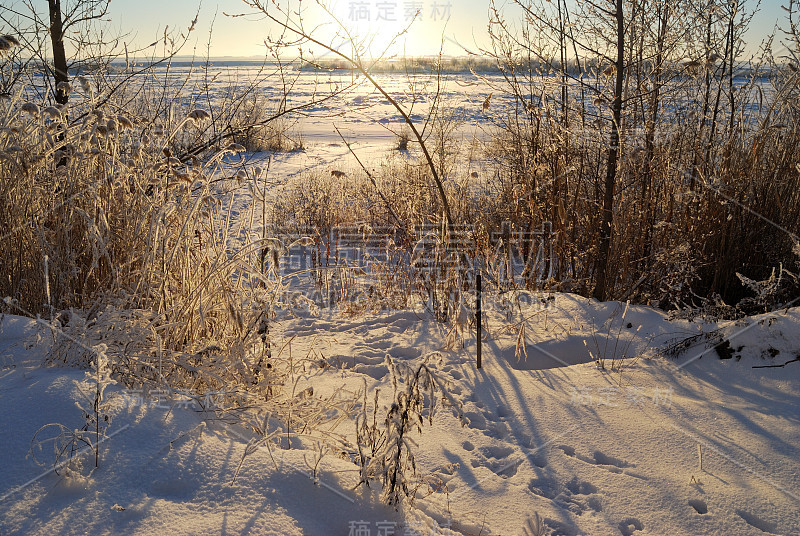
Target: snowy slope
547,434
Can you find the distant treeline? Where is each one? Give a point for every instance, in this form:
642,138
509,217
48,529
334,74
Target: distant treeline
485,65
415,65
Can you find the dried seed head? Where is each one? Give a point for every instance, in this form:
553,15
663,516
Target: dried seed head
30,108
241,175
199,115
64,87
7,42
692,66
11,39
111,125
124,122
84,82
98,114
235,148
181,175
53,113
101,130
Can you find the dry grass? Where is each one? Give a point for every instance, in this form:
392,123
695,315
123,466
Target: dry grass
688,216
111,238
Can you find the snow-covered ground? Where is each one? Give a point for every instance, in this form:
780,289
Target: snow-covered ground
546,433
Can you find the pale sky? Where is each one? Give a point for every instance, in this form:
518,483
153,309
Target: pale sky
453,20
461,23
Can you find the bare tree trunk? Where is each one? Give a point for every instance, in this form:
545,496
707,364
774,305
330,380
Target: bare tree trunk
59,54
607,220
562,48
648,197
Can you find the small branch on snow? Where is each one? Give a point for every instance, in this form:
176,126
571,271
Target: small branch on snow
778,366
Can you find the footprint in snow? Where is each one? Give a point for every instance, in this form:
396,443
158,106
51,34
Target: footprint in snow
502,468
544,487
604,459
497,459
378,342
496,451
475,420
397,327
538,456
569,451
405,353
454,389
599,459
575,496
754,521
497,430
629,526
580,487
365,354
699,506
376,372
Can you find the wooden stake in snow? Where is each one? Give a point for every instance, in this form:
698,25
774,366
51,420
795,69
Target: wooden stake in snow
700,454
478,314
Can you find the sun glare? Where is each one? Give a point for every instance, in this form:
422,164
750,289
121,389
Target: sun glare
393,29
